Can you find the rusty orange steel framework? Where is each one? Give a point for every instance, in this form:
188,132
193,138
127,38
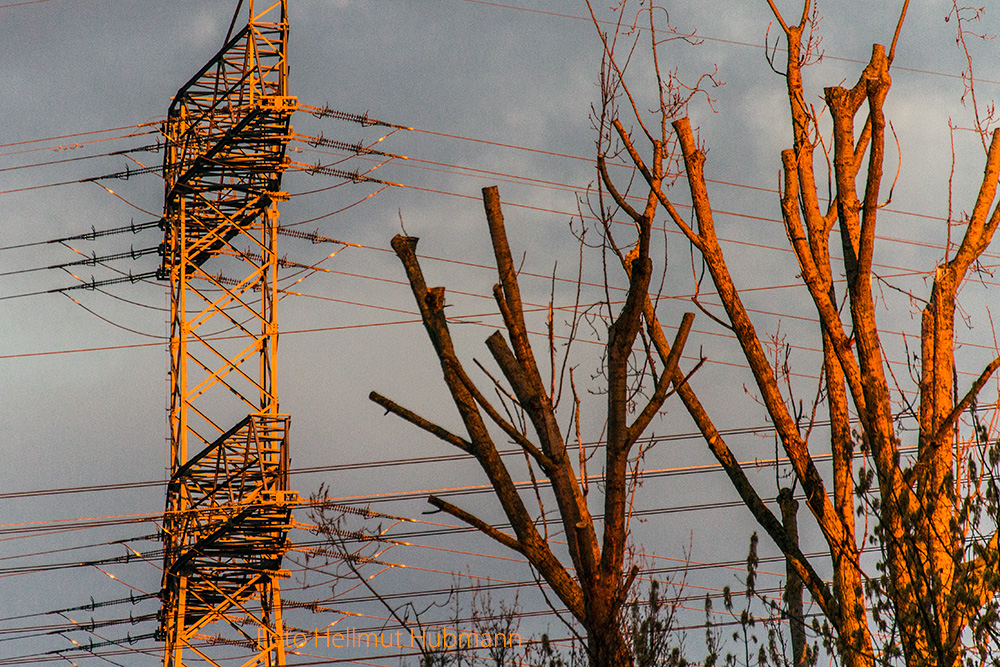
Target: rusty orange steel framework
228,508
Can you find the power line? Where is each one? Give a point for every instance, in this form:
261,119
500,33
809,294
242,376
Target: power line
82,134
119,175
92,234
89,261
138,149
383,463
719,40
92,285
21,4
133,599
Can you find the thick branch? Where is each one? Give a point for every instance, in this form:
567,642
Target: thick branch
817,587
420,422
979,233
477,523
521,370
695,240
813,278
515,435
948,422
516,327
663,383
798,453
431,305
621,338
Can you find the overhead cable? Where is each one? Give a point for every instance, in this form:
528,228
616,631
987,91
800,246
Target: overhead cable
93,234
94,260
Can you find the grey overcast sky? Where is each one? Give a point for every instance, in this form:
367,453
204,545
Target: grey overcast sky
497,93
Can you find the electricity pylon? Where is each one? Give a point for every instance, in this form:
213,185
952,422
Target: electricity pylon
228,509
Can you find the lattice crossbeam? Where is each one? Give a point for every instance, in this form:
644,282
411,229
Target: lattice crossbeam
228,508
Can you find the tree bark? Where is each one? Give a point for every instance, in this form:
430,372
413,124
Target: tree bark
923,520
597,588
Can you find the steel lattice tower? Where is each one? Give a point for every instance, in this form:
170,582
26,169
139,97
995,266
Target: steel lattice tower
228,508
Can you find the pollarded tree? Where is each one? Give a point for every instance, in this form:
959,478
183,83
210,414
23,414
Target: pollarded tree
933,594
594,585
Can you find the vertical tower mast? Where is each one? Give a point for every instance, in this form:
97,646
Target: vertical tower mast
228,508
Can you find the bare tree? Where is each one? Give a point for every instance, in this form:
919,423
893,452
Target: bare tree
934,593
594,585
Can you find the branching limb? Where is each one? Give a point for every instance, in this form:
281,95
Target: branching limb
658,191
819,501
980,231
431,305
521,370
964,404
663,384
545,462
767,520
829,316
602,167
508,296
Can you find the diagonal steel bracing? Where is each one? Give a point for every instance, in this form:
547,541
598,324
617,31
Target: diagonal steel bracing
228,509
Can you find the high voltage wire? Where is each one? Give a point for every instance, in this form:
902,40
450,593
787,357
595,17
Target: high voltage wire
128,278
719,40
465,318
357,148
341,173
119,175
92,606
95,284
613,288
316,606
80,134
313,606
128,346
370,465
89,261
358,177
92,234
21,4
313,237
30,632
92,285
316,238
134,172
437,531
62,628
339,502
685,565
138,149
514,178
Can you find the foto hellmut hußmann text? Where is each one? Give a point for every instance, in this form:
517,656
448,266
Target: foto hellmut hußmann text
434,638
